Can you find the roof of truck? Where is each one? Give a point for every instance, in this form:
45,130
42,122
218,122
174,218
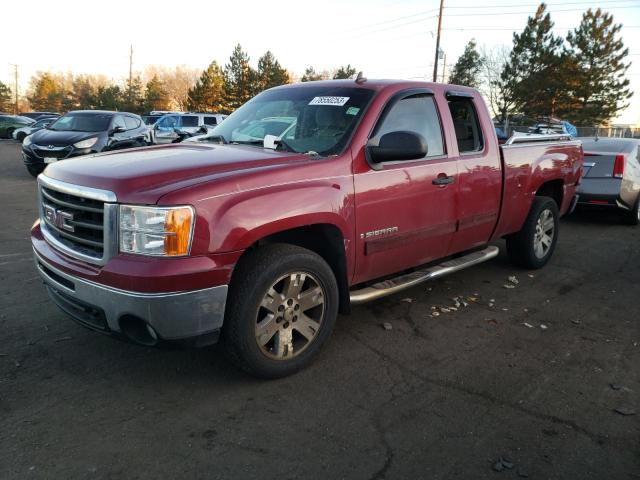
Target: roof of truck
380,84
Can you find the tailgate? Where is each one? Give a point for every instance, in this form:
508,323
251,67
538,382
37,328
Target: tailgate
598,166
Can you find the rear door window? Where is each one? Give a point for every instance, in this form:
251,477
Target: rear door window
416,113
118,121
466,125
131,122
189,121
210,121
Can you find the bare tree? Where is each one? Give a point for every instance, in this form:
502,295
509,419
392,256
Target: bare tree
493,87
177,81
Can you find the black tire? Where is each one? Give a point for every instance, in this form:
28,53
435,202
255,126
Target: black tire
257,272
522,247
632,217
21,136
10,132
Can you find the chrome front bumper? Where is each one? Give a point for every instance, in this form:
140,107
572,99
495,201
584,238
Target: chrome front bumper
172,316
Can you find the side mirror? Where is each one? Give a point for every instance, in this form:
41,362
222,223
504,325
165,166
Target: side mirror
401,145
117,130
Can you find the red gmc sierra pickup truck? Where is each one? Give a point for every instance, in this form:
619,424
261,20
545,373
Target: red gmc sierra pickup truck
308,199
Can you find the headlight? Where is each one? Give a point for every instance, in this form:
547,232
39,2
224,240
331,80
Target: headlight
88,143
27,141
164,231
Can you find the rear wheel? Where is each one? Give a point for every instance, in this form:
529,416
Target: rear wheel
632,217
281,309
533,246
10,132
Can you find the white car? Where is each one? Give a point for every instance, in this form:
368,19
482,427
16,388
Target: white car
164,130
20,134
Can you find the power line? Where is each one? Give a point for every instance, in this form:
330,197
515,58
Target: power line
537,4
401,18
528,12
353,33
362,34
433,10
513,29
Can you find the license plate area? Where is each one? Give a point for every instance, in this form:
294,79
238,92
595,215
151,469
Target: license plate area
50,159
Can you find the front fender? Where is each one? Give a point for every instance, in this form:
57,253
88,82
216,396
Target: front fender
239,220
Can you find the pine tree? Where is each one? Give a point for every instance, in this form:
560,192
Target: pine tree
84,93
240,78
208,94
345,72
467,69
270,72
133,96
533,74
310,75
46,92
109,98
6,103
156,96
599,54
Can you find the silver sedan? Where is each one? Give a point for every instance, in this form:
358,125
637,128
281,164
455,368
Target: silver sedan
611,175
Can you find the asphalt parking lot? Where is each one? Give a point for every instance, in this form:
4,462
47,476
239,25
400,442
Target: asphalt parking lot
545,375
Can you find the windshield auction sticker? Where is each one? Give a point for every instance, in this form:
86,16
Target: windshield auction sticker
334,101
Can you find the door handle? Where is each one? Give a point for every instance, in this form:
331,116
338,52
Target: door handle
442,180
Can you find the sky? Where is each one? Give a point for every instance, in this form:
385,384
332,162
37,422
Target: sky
383,38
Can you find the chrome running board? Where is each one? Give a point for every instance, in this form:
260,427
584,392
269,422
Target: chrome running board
408,280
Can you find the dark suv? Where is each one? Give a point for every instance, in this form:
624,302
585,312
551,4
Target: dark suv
82,132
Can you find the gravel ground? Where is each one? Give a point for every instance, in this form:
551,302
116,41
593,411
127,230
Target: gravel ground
434,397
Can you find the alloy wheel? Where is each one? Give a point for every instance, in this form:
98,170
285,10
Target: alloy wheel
290,315
545,231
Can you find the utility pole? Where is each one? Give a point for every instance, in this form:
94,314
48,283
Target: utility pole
130,71
444,66
435,63
15,88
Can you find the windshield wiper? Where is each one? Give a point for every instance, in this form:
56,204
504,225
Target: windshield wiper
247,142
217,138
287,147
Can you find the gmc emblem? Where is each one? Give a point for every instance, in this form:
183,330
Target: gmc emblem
59,218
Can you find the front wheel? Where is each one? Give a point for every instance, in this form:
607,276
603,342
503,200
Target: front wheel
534,244
281,309
21,136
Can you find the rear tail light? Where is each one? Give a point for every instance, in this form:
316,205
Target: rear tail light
618,166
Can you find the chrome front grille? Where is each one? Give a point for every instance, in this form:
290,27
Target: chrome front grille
80,221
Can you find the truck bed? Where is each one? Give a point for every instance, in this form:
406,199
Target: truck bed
556,159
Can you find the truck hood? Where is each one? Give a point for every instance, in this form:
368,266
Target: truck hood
143,175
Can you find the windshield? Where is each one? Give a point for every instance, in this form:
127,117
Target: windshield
82,122
42,123
306,119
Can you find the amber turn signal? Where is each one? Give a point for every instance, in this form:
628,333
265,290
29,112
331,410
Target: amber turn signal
177,227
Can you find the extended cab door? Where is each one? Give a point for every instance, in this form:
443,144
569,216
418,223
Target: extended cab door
406,210
479,171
